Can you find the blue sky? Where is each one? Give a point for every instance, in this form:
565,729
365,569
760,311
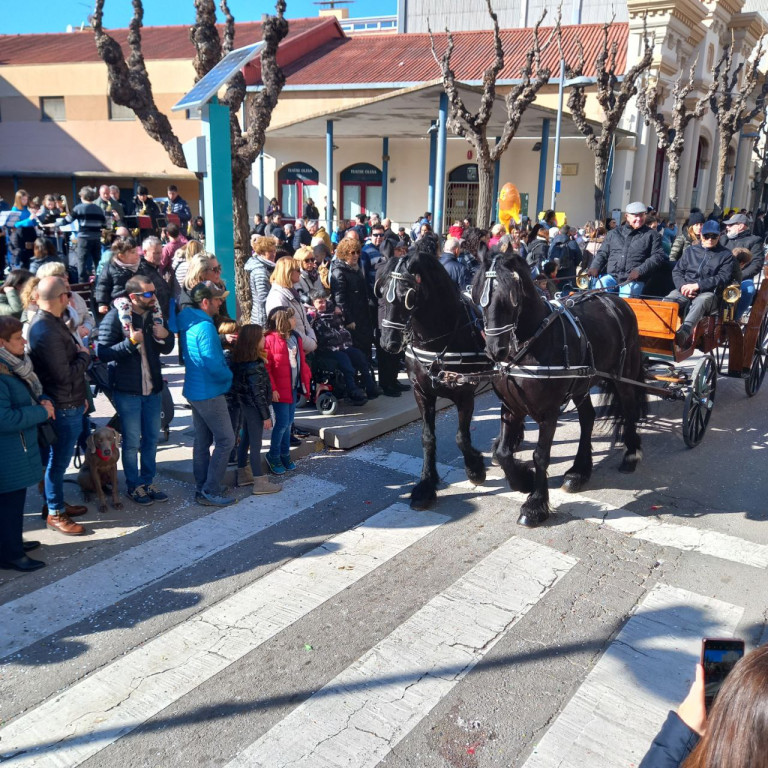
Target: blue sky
117,13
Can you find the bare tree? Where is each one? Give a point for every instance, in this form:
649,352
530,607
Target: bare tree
760,148
612,97
130,86
671,134
730,104
474,126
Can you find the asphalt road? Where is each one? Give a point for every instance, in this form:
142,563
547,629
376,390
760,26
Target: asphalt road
330,625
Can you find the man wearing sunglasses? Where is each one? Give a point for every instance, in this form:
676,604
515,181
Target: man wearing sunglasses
137,383
700,275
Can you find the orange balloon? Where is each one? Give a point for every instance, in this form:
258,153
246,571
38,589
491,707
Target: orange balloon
509,205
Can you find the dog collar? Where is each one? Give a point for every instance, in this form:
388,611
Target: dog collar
101,455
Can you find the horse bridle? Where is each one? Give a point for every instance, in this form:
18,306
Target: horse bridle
485,300
409,300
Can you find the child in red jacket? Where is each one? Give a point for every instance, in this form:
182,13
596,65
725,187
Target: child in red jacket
289,375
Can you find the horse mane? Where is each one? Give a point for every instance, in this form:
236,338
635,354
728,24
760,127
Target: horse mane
422,261
512,262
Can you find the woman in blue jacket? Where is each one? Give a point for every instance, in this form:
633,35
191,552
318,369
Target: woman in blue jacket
21,410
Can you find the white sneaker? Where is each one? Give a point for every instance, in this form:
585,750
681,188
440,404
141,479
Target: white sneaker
261,485
244,476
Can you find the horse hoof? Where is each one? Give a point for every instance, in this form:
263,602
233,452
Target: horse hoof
476,477
532,519
573,483
423,503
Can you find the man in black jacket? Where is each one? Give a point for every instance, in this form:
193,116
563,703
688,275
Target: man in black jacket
629,254
700,276
737,235
60,364
137,383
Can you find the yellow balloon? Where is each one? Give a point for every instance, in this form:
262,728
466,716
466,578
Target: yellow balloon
509,205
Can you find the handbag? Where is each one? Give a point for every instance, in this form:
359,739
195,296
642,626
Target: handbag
46,435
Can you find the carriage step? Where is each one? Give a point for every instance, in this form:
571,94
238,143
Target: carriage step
671,377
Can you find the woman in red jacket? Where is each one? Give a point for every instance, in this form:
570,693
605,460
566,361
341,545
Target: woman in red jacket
289,376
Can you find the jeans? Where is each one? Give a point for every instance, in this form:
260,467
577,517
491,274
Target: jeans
608,282
140,420
88,256
68,425
746,298
210,420
696,308
253,431
11,524
280,444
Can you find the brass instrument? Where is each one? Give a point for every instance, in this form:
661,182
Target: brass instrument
731,296
582,280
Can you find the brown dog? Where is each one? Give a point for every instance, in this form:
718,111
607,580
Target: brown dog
100,466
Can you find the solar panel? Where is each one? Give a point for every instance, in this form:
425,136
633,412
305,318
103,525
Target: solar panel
209,86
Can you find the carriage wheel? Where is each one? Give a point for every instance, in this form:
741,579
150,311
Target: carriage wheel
759,360
700,401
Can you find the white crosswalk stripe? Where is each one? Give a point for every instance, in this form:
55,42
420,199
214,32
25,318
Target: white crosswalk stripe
668,534
49,609
646,671
112,702
361,715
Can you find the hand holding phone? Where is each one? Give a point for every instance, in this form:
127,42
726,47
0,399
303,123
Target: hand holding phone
718,657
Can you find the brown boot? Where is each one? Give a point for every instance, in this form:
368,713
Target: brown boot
63,524
262,485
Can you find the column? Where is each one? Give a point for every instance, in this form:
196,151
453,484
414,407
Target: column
432,165
540,203
687,169
384,174
329,176
219,237
437,214
261,183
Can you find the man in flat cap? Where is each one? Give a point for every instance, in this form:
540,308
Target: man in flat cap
629,254
738,235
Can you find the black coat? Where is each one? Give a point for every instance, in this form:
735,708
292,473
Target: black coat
124,358
625,249
301,237
752,243
537,253
59,362
250,381
674,742
711,268
113,277
349,291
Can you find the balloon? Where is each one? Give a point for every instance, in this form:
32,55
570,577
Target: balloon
509,205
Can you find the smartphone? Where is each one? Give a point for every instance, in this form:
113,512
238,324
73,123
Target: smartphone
718,657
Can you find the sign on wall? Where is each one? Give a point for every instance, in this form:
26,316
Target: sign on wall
361,172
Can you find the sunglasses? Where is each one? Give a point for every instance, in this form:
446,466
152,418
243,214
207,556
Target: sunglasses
216,269
310,261
377,236
710,236
145,294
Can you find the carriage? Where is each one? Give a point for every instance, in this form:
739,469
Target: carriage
730,348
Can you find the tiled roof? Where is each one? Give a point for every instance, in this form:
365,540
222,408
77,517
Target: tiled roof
157,43
408,58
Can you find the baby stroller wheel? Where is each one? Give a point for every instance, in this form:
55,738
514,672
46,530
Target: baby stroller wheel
327,403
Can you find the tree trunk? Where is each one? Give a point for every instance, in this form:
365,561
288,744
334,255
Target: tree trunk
485,192
242,245
601,167
722,160
674,173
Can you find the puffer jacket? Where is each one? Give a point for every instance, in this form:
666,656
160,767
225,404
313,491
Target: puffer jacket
711,268
284,297
259,271
626,249
330,330
349,291
752,243
207,372
59,362
672,745
10,304
681,242
307,283
20,464
113,277
251,384
279,367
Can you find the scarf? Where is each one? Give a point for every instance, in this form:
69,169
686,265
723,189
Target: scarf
312,274
22,367
130,267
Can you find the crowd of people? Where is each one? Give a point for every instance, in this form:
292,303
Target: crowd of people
314,313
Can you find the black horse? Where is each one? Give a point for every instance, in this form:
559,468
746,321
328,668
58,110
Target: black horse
425,315
549,353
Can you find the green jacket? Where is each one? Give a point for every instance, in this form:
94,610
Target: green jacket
10,304
20,464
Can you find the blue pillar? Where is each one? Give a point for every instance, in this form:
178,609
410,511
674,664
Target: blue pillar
75,199
16,184
432,165
219,237
329,176
384,174
495,198
261,183
437,213
540,204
